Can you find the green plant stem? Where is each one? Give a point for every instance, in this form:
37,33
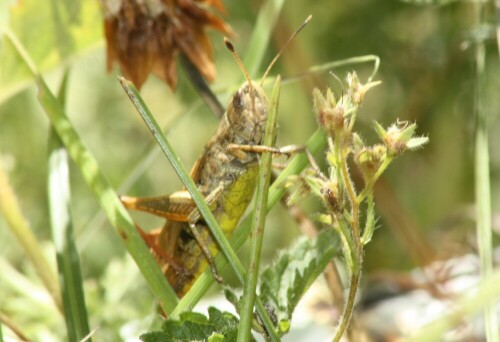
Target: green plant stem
341,151
346,238
11,211
258,222
349,305
369,186
370,220
107,198
482,183
195,195
346,179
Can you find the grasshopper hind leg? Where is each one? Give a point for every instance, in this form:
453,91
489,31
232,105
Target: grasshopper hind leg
206,251
151,240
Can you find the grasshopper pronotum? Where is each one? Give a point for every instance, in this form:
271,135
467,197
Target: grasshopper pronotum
225,175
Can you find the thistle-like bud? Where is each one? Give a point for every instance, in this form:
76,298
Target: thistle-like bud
369,159
330,194
357,90
329,113
399,137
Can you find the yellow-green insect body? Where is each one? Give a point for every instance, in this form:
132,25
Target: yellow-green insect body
226,178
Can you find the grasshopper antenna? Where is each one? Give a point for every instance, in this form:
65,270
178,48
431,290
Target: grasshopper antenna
231,48
284,47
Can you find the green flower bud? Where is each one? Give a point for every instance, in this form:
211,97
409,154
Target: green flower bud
369,160
399,137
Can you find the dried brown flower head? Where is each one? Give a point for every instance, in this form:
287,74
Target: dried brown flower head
146,35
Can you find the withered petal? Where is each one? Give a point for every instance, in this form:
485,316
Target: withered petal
191,47
143,42
165,67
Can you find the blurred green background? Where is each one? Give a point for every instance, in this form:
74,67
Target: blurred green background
425,200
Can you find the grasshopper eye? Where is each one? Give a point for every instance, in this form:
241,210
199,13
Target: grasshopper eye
237,101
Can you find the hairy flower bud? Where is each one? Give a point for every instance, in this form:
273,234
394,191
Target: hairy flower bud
399,137
369,159
330,114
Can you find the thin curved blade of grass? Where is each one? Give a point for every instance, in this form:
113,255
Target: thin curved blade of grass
268,16
68,261
198,199
106,196
258,221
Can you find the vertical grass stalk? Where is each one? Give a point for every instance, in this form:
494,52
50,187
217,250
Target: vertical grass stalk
68,261
258,222
482,182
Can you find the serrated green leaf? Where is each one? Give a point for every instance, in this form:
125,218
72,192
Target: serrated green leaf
155,336
286,281
216,338
193,326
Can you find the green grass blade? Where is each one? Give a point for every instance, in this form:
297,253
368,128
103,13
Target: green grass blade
482,181
258,221
316,69
106,196
198,199
268,16
68,261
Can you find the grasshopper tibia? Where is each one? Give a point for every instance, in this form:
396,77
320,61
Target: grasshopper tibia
206,251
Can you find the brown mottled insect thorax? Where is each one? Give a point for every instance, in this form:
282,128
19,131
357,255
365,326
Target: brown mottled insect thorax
243,124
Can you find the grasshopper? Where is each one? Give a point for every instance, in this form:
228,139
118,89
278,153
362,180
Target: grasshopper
226,175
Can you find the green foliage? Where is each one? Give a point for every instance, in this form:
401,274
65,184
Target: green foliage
424,75
285,281
56,30
283,284
192,326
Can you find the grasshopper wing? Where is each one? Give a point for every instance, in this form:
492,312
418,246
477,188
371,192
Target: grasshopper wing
174,207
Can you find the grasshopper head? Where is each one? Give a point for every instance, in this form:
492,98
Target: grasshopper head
247,113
